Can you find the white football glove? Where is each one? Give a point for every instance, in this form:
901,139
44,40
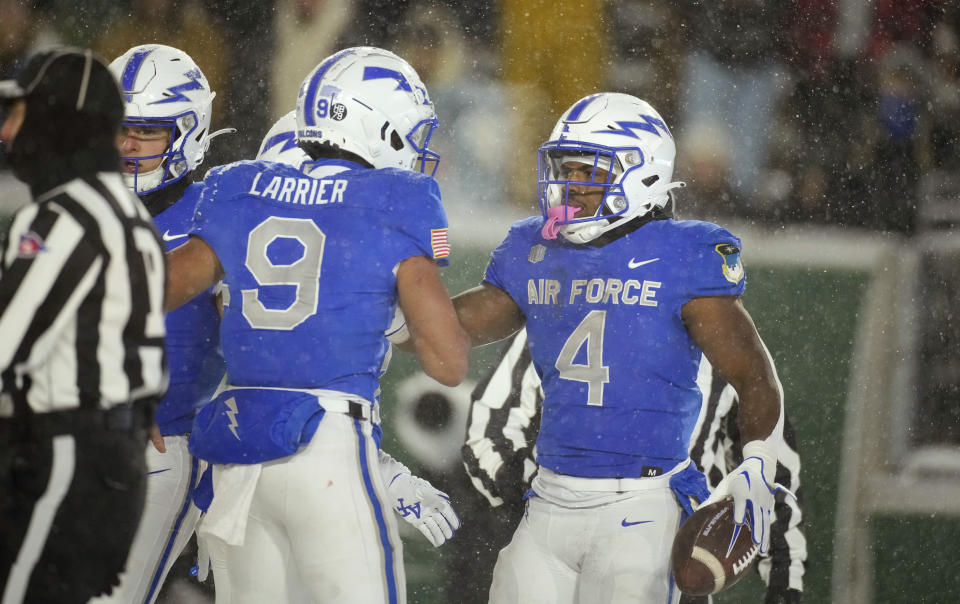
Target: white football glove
752,486
418,502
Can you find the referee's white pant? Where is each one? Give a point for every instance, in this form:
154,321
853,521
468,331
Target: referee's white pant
319,529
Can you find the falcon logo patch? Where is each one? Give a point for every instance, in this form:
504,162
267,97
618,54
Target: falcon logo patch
732,267
30,245
537,253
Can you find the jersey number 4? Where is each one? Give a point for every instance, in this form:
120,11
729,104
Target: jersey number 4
303,273
588,334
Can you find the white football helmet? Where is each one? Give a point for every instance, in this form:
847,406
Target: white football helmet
280,143
372,103
622,135
163,87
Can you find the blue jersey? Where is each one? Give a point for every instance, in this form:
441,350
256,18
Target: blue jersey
193,337
606,336
310,284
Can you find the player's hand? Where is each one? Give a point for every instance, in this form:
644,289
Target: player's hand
752,486
779,595
425,507
157,438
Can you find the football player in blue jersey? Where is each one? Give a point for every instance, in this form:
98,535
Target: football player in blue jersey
618,309
415,500
165,134
313,267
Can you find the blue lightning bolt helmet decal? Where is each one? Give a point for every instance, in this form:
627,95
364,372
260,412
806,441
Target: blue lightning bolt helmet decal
377,73
287,139
649,124
176,92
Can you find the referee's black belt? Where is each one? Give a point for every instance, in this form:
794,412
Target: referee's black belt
125,417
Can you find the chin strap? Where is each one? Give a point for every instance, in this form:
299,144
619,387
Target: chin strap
554,215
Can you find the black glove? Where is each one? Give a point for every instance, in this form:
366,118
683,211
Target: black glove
779,595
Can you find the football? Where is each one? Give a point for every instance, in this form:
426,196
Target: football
710,551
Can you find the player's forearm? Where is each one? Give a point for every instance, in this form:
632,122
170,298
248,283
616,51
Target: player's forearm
442,347
448,364
759,416
487,314
191,268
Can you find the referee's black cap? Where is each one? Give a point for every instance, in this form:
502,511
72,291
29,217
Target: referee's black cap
68,81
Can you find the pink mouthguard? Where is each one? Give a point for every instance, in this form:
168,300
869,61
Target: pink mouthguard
555,215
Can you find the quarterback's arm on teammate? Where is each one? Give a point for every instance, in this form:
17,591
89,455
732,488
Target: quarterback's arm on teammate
487,314
191,269
435,335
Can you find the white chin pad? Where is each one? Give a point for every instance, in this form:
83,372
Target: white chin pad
144,181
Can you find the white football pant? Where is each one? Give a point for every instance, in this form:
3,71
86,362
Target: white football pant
169,519
615,551
320,528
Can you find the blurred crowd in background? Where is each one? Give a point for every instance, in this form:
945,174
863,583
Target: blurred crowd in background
840,112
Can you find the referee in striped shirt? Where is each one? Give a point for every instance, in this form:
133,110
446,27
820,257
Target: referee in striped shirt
499,458
82,276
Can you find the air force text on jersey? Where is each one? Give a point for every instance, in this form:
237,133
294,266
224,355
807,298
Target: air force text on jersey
300,190
594,291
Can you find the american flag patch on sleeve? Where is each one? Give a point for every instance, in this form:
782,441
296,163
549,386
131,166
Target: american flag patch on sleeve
439,244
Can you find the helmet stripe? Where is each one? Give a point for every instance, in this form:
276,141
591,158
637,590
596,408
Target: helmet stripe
312,86
129,77
578,109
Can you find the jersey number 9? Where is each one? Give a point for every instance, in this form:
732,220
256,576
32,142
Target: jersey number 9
303,273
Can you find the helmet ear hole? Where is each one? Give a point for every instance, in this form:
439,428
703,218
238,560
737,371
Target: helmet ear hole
395,141
648,181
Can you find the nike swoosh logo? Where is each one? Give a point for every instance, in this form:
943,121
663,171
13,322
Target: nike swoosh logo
634,264
168,237
625,523
160,471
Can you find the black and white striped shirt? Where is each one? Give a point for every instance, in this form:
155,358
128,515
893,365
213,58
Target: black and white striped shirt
82,282
505,417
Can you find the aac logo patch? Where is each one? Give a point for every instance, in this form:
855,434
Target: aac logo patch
732,267
30,245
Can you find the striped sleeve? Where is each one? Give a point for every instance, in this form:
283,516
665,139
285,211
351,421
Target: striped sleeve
502,425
